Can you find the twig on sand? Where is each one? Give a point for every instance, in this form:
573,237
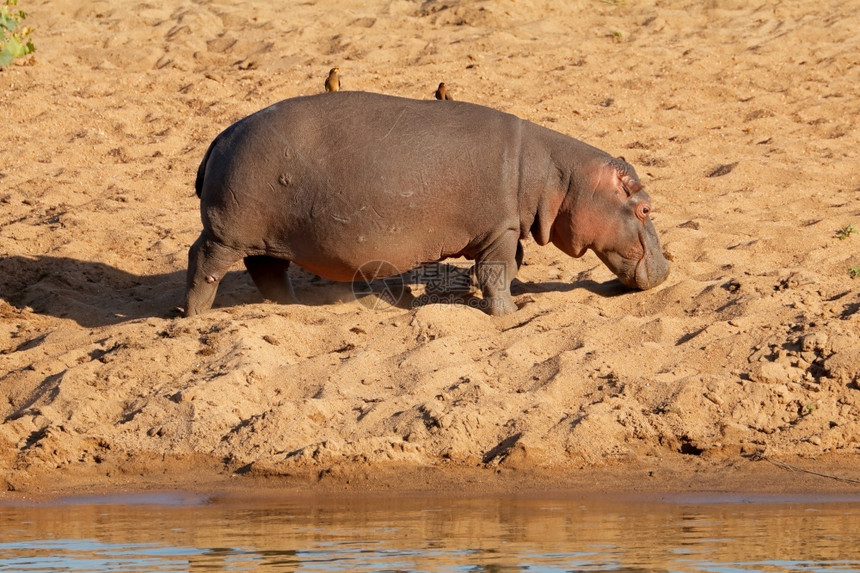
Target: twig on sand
794,468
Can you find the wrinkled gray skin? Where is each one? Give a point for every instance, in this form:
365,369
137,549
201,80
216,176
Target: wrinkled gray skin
332,181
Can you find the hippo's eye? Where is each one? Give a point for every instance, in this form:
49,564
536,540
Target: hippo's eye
642,211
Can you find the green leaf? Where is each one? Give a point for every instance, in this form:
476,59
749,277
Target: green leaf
15,48
5,58
6,20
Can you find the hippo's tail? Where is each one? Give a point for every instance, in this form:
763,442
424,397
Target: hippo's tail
201,171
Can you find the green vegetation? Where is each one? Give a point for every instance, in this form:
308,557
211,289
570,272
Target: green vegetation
854,272
845,232
15,40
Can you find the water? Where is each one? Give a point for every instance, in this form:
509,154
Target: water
172,532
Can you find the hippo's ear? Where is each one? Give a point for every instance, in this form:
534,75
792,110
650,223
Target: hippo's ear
626,177
630,185
628,182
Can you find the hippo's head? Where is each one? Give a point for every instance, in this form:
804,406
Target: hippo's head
606,210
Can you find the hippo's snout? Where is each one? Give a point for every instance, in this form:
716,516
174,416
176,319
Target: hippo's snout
647,269
651,270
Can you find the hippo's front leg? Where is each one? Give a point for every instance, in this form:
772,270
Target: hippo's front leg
495,268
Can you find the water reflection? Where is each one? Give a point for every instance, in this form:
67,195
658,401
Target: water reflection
187,533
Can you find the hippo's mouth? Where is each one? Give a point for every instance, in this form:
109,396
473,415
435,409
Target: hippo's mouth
651,270
641,276
626,269
642,272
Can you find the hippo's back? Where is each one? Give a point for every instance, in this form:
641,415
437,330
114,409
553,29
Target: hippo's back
366,132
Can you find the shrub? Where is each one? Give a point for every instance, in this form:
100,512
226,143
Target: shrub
846,232
15,41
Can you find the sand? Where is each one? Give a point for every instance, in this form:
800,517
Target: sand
741,119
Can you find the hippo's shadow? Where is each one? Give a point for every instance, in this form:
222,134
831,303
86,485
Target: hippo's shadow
609,289
90,293
96,294
442,283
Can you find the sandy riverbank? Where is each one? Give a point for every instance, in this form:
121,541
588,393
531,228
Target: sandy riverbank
741,121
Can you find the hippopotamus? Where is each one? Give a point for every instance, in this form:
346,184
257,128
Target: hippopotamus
335,180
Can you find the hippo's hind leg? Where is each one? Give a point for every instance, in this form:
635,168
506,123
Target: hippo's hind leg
270,276
208,262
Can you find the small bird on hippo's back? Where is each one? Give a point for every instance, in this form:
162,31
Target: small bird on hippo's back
332,82
442,92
